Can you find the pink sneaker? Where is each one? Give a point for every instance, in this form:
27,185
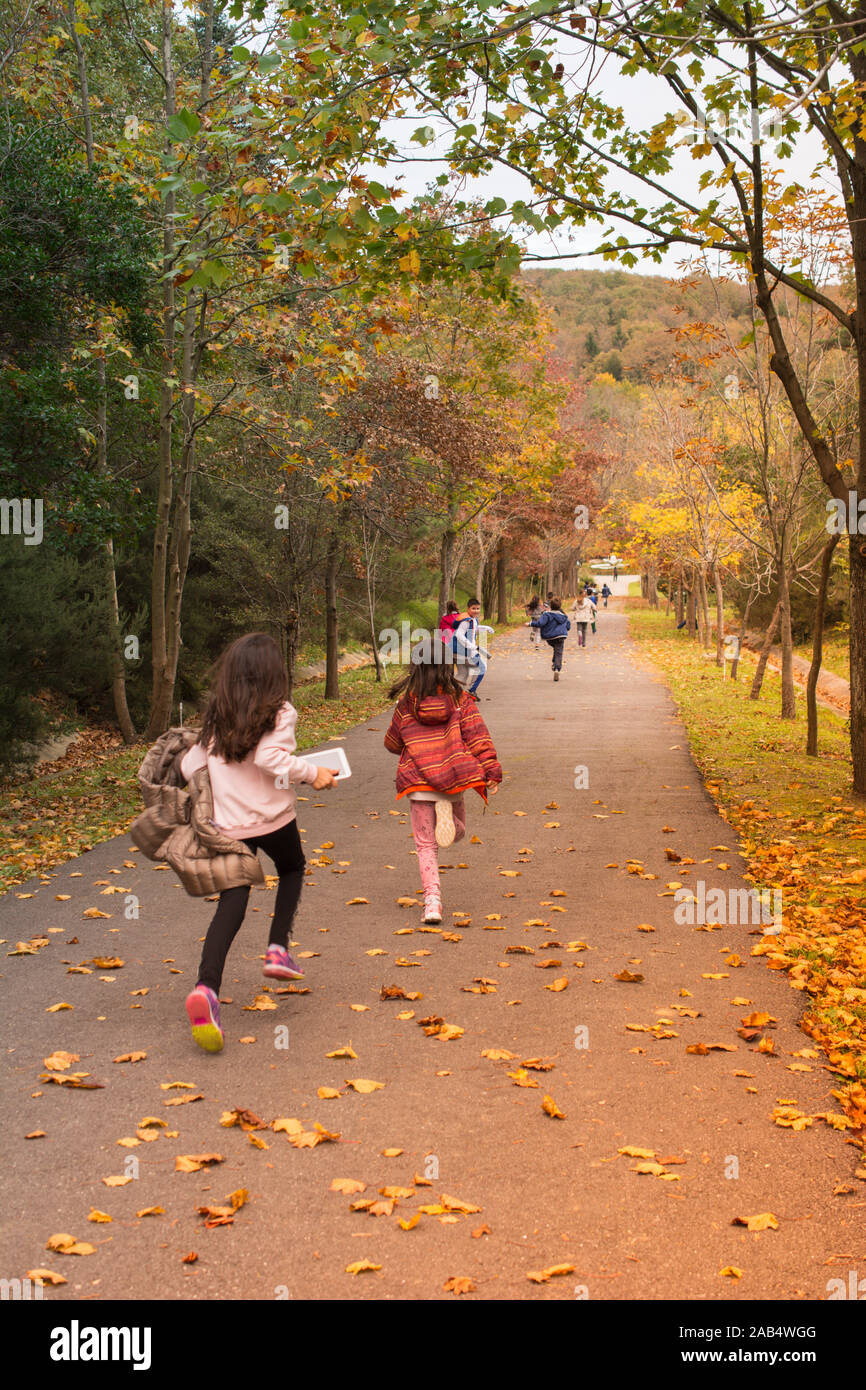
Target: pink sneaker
280,966
203,1012
432,910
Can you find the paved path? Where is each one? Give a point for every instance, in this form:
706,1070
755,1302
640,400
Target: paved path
551,1191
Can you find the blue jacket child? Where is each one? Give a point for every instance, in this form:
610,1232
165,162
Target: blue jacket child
552,625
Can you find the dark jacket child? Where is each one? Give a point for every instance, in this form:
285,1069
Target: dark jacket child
554,628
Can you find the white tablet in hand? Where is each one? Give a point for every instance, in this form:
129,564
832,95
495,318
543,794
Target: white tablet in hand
334,758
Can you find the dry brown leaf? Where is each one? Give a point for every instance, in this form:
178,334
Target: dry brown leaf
67,1245
455,1204
60,1061
550,1107
45,1276
765,1221
458,1284
522,1078
259,1004
284,1126
245,1118
193,1163
541,1276
348,1186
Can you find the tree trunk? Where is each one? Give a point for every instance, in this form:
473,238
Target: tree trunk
161,693
503,607
652,586
292,631
691,613
644,584
769,638
735,664
720,615
479,572
370,577
706,635
488,589
789,706
818,647
857,649
446,567
680,608
118,672
332,671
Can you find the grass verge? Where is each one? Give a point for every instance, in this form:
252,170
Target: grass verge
801,829
68,807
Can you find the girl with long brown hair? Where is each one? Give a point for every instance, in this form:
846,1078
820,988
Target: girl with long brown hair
247,743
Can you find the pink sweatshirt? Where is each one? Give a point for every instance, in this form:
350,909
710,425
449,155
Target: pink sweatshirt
248,799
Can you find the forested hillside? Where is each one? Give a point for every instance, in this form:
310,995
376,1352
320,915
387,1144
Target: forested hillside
619,322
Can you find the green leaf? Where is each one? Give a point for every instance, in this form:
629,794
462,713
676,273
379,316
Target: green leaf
183,125
170,184
215,271
269,62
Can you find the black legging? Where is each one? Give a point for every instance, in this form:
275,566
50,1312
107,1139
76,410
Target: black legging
284,847
557,643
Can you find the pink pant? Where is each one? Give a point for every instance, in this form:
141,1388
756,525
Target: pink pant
423,828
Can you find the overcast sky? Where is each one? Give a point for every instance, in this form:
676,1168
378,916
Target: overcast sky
644,99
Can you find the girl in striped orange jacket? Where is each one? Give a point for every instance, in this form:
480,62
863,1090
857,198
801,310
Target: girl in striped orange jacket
444,749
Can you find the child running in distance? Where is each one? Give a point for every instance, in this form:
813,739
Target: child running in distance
581,616
444,749
468,657
247,743
533,610
554,628
448,622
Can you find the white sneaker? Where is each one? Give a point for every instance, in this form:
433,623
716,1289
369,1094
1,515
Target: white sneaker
432,910
445,831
